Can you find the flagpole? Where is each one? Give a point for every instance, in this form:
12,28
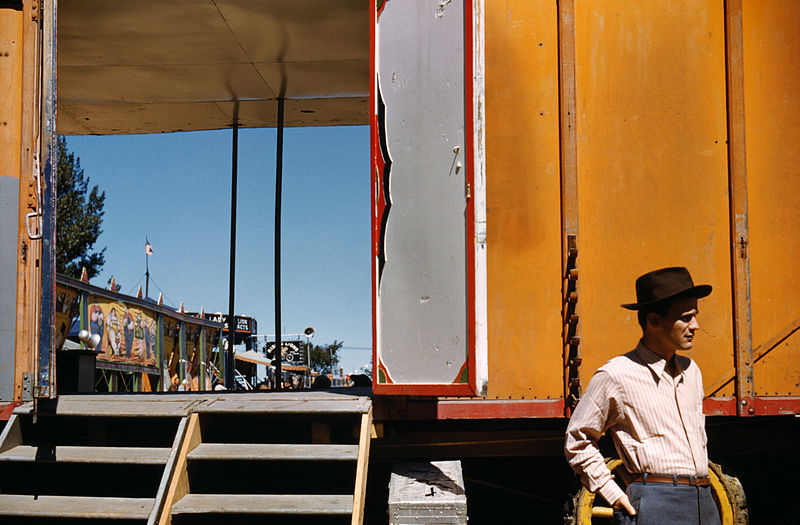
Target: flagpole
147,272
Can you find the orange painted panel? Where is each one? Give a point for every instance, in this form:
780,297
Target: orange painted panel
523,195
771,37
11,99
652,167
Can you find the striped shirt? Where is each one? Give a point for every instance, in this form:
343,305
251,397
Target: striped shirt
656,420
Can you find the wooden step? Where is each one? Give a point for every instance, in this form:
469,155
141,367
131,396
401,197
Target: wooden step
164,404
291,504
72,454
75,507
272,452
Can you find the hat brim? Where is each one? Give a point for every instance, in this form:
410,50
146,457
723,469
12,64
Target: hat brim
699,291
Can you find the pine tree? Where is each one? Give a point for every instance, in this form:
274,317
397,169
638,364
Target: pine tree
325,359
78,218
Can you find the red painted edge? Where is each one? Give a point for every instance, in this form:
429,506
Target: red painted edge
719,406
7,410
389,409
500,409
395,389
373,129
469,130
777,406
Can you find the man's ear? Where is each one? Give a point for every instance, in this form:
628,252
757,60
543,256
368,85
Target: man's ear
653,319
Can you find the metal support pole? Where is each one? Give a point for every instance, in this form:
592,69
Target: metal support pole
147,270
278,185
230,360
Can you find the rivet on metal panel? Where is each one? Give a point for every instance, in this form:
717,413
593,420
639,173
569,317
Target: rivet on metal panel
744,402
751,410
573,274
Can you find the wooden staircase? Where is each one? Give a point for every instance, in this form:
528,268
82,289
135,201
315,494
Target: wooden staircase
228,458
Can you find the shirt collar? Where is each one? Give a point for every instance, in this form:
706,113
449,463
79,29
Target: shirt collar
655,362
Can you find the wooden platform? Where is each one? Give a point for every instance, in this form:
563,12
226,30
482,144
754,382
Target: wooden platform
181,404
181,457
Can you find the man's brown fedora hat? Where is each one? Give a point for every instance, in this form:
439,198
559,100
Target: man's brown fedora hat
659,285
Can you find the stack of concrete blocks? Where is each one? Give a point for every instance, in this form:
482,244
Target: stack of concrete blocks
427,493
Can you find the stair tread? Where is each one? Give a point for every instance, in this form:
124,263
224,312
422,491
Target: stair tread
75,506
257,451
264,504
86,454
161,405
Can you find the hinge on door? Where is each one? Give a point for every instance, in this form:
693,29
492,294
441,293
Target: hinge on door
742,247
27,386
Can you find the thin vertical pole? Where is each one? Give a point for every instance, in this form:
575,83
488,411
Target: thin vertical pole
230,362
278,189
147,270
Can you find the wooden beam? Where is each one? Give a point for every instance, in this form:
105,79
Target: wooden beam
28,250
179,479
360,493
569,201
740,238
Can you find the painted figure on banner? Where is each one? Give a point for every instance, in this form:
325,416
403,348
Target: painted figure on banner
127,329
114,339
97,323
139,337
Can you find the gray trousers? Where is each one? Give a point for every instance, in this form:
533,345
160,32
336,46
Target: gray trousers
666,504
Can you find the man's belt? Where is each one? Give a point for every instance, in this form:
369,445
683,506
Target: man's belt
697,481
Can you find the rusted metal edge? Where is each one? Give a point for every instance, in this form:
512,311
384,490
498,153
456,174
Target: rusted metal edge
737,173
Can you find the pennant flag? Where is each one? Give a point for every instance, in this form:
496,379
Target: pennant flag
148,249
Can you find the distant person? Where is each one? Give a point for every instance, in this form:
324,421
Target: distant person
360,380
321,382
650,401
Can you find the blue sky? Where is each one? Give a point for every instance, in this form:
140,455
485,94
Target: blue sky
175,189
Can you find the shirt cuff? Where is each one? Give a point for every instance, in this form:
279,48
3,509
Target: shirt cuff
611,491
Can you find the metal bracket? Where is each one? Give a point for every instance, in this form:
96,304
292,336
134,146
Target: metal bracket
28,216
27,386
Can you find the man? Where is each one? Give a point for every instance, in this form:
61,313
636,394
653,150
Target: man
651,402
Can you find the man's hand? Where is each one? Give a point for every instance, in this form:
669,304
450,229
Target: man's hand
623,503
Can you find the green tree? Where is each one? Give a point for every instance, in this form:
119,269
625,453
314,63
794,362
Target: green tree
78,218
325,359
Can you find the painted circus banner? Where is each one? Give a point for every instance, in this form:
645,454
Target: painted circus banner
127,333
177,350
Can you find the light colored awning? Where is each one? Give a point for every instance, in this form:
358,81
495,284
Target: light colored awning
252,357
150,66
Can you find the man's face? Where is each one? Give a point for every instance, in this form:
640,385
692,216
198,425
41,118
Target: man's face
677,329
